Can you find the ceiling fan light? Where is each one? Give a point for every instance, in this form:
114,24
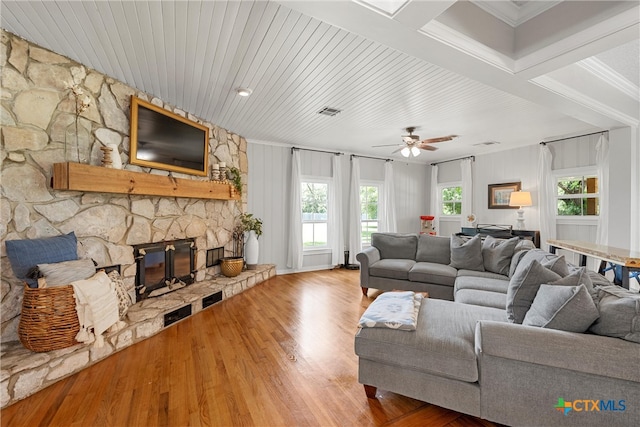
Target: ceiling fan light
415,151
406,152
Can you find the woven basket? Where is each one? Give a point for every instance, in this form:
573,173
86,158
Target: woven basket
49,320
231,267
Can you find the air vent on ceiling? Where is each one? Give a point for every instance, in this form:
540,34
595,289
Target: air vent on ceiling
487,143
328,111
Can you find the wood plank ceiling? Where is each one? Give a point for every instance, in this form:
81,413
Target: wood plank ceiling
195,54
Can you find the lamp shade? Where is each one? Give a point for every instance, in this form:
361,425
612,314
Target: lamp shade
406,152
520,198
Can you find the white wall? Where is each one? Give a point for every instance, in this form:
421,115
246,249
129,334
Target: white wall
269,186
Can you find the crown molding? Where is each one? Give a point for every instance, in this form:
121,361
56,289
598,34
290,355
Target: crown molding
571,94
512,14
455,39
610,76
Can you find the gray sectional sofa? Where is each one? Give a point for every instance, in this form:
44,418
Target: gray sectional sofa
480,346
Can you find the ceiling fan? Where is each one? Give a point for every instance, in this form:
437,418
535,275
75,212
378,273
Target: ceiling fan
412,144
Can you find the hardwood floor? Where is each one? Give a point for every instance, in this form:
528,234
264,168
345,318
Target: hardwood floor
279,354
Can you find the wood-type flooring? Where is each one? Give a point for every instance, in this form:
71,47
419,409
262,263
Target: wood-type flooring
279,354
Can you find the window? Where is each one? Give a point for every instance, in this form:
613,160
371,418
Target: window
314,214
577,195
369,196
450,199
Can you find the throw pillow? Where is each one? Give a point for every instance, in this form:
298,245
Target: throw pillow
497,254
557,264
619,310
578,276
541,256
466,254
65,272
393,245
26,254
523,287
566,308
394,310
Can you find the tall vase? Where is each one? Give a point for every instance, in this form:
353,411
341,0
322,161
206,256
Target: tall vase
251,250
77,143
116,160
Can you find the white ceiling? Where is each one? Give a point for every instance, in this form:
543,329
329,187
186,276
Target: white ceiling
514,72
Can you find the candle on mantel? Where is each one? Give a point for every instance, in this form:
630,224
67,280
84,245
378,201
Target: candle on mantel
223,165
216,166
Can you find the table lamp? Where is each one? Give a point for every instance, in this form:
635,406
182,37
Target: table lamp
520,199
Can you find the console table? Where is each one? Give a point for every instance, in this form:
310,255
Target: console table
628,260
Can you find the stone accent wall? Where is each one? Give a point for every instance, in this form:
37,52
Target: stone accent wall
36,109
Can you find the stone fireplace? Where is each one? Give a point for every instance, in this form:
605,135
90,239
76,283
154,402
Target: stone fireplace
164,267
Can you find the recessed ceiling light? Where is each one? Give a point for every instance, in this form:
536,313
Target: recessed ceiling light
243,91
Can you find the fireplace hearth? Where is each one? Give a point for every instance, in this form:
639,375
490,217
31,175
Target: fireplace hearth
163,267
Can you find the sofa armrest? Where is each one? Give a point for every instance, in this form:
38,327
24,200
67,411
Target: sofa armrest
367,257
588,353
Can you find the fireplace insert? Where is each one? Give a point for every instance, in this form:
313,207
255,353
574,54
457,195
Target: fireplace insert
164,267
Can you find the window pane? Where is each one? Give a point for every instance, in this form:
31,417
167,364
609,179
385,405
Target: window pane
591,206
591,186
314,198
320,234
570,185
451,193
368,227
368,202
307,234
569,207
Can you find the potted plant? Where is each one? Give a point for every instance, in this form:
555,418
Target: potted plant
236,178
253,227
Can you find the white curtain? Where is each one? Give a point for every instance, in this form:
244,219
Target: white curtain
547,199
602,158
294,256
433,205
355,240
334,223
388,218
467,191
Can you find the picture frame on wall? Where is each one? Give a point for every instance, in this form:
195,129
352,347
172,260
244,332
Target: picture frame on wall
499,195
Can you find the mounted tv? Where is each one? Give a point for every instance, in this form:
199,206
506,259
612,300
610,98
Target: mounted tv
161,139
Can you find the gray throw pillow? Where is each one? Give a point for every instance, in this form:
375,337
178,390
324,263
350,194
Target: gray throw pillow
541,256
557,264
566,308
434,249
466,254
497,254
65,272
523,287
393,245
619,310
578,276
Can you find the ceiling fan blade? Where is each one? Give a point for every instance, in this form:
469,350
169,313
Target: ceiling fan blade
387,145
438,139
427,147
395,151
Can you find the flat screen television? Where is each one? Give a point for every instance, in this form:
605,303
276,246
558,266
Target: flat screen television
161,139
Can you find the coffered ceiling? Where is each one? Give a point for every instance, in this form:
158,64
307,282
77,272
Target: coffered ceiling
511,72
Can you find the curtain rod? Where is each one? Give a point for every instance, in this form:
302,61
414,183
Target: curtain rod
453,160
572,137
317,151
367,157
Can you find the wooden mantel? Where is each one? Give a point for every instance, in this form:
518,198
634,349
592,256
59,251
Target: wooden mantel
80,177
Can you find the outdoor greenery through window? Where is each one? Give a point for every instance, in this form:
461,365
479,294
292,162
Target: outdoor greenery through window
369,195
451,203
314,214
578,196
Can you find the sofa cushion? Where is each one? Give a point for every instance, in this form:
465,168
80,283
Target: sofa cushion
397,246
434,249
577,277
567,308
619,311
466,254
557,264
392,268
430,272
26,254
442,344
481,298
523,287
540,256
482,284
497,254
483,274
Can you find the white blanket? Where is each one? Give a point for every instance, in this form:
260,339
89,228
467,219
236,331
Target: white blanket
97,307
394,310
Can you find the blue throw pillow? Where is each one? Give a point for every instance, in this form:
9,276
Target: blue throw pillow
26,254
